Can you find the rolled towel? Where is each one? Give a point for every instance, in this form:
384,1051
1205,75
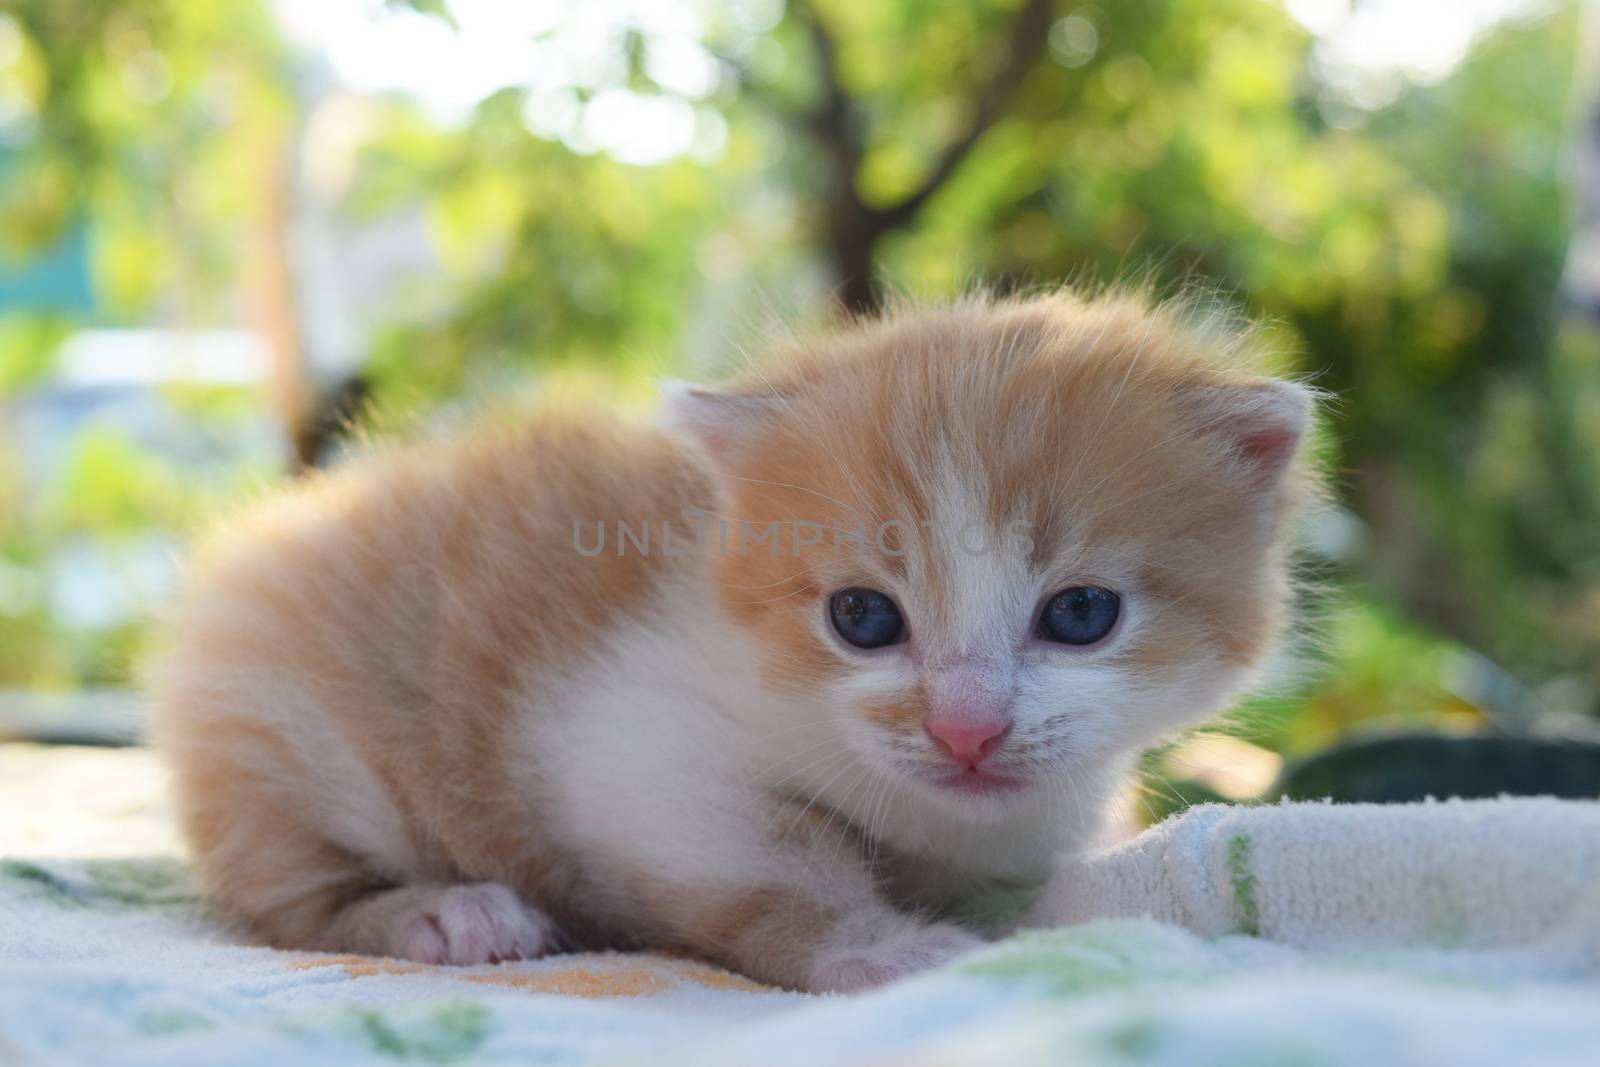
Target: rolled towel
1518,874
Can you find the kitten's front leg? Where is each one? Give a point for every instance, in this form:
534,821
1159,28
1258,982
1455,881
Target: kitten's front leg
815,918
453,924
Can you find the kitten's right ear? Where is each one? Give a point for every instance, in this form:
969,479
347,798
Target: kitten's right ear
720,422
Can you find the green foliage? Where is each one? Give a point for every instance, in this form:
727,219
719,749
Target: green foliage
153,118
1367,665
111,488
27,348
549,257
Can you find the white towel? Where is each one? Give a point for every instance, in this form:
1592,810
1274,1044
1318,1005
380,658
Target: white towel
1513,876
112,960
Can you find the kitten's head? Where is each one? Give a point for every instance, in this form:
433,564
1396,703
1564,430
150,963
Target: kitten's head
993,545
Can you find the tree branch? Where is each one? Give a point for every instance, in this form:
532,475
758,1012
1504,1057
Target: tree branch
833,118
855,227
833,122
1025,43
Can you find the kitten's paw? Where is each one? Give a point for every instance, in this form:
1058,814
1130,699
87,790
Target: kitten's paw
896,955
471,924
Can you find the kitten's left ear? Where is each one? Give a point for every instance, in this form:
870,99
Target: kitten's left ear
1263,423
721,422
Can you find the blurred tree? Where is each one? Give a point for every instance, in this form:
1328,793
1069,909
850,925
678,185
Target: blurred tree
146,117
168,123
1582,275
548,256
858,217
130,135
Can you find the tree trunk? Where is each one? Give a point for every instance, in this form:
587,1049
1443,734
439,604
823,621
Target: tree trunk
271,297
854,229
852,245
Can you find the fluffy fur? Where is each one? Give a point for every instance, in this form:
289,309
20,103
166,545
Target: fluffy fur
411,710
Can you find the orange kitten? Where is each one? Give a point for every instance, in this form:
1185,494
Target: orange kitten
782,685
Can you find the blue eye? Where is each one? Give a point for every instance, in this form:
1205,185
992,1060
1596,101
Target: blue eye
1080,615
866,618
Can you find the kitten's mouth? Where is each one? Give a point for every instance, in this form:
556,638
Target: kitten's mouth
977,781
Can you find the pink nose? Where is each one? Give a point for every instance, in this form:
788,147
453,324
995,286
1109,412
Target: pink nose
968,740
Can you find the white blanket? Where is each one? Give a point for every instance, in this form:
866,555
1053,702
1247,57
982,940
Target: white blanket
1439,934
1516,880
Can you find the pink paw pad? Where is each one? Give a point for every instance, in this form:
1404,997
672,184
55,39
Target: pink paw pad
904,953
472,924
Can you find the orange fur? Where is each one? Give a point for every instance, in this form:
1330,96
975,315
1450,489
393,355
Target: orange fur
385,682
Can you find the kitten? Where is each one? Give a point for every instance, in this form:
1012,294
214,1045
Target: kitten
784,684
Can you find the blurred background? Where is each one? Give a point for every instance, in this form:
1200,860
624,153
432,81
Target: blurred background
232,229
